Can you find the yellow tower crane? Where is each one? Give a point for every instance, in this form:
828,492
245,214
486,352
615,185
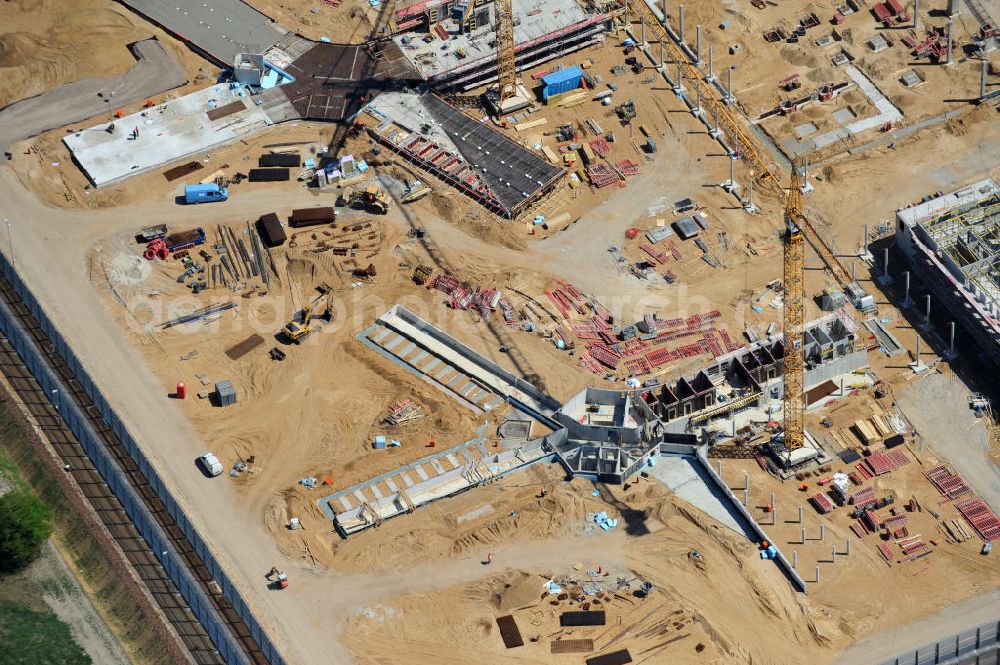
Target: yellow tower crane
506,62
798,227
794,360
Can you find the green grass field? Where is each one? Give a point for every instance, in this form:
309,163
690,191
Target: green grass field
31,637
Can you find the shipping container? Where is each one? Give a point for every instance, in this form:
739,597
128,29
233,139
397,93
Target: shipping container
311,217
270,229
562,81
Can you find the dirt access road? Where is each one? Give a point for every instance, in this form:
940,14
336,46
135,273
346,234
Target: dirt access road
304,620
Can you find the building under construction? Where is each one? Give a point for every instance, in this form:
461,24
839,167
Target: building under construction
610,434
499,174
455,50
952,243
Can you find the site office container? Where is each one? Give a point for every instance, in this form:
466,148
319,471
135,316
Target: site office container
311,217
562,81
270,229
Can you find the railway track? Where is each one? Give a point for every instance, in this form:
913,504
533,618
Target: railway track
107,506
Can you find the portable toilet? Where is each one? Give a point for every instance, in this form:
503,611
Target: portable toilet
226,393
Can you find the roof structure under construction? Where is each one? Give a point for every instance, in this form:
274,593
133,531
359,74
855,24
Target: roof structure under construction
448,56
953,244
500,174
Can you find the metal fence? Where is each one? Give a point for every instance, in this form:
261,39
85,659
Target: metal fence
145,523
975,646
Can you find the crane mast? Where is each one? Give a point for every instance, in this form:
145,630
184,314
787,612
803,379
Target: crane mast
794,295
506,63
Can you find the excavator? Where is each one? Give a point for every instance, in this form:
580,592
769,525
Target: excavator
305,322
372,199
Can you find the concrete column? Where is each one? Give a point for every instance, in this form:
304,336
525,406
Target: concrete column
803,535
729,90
661,54
772,499
916,14
906,289
951,338
681,20
746,481
679,86
795,559
800,514
664,9
854,271
885,261
848,550
833,554
749,206
711,73
866,238
714,132
822,531
697,113
817,574
746,497
950,27
697,48
982,79
917,358
719,465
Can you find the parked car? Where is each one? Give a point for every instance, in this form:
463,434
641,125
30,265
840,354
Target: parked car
210,464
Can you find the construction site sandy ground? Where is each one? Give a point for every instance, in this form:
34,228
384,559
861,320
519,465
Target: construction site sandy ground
416,589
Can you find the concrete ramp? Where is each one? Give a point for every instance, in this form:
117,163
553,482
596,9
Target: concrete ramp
684,477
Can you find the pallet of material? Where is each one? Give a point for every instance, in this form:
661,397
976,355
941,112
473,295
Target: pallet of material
862,497
821,503
537,122
864,431
268,175
604,355
980,517
947,482
895,521
885,552
571,646
859,529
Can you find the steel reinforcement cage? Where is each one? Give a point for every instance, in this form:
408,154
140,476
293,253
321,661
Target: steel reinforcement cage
138,513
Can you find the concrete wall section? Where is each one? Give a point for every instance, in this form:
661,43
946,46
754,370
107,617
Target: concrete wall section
750,522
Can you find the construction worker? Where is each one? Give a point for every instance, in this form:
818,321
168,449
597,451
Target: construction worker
489,558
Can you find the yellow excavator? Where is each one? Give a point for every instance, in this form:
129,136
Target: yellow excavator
306,321
372,199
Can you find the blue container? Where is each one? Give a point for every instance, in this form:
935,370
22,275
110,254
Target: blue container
772,551
562,81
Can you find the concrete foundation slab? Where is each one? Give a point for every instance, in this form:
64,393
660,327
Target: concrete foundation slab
171,132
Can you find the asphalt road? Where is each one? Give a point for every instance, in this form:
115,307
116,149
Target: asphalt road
155,71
